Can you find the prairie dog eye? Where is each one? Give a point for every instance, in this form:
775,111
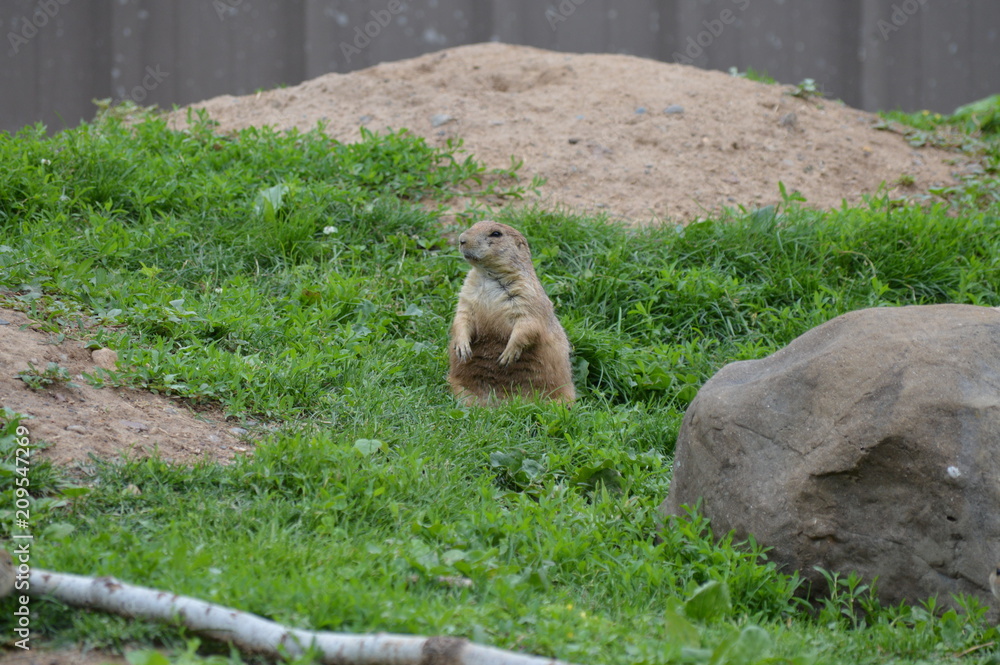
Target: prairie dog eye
496,234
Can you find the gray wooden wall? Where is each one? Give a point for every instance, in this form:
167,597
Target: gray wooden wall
874,54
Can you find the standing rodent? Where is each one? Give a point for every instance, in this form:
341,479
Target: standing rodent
505,339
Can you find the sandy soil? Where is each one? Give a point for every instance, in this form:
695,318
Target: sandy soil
635,138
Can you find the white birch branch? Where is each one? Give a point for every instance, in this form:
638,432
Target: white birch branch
253,633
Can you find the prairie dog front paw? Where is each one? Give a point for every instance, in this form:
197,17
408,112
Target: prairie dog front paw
463,350
509,355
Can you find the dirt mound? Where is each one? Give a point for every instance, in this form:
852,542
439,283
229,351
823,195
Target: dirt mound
636,138
77,420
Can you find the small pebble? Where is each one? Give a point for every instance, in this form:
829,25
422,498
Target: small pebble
238,431
4,322
79,429
673,109
574,141
641,110
439,119
104,358
365,118
138,427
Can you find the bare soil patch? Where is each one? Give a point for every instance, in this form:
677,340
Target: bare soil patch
112,423
638,139
74,656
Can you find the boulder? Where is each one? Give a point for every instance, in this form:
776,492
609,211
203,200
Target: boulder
870,444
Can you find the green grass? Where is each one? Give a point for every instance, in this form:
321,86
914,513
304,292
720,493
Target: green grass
975,130
759,75
296,280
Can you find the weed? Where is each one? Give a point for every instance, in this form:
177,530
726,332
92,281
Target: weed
752,74
39,379
806,89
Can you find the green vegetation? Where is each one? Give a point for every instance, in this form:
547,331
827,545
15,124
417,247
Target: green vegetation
37,379
806,89
760,76
982,115
972,130
295,280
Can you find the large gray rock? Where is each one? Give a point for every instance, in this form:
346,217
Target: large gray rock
870,443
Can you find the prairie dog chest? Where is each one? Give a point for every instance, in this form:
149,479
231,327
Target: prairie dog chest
495,307
489,293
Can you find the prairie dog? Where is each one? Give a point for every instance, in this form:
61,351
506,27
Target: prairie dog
505,339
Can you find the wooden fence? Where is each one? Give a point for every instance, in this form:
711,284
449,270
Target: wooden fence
873,54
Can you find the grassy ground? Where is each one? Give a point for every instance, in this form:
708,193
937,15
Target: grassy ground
305,284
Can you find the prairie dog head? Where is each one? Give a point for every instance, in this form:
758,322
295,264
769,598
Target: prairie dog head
493,246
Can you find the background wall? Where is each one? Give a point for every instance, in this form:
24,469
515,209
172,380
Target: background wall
874,54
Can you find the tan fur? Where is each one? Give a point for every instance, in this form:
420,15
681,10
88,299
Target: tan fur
505,339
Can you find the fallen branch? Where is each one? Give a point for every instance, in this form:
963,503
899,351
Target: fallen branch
255,634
